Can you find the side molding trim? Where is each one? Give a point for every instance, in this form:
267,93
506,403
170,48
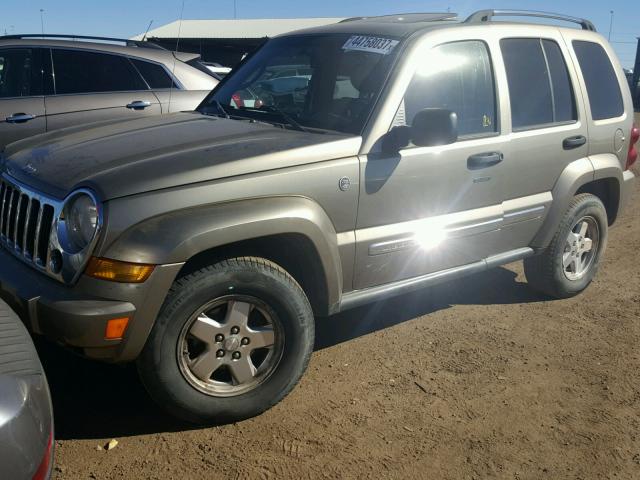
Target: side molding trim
358,298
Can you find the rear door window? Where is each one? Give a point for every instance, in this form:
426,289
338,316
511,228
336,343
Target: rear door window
155,75
540,89
600,78
19,76
564,104
90,72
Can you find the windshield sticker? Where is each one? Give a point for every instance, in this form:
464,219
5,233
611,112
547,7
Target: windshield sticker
365,43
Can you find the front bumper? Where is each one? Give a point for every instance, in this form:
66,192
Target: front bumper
77,316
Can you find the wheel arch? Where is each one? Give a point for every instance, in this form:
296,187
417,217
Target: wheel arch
293,232
294,252
608,191
600,175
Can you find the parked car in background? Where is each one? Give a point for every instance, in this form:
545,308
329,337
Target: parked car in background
246,98
26,416
47,83
217,69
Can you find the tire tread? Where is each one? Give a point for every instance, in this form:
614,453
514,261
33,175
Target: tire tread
540,269
161,391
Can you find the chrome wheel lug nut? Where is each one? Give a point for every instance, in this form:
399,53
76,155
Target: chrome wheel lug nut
245,341
220,353
219,338
236,355
235,330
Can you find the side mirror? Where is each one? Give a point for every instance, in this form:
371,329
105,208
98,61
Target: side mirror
431,127
434,126
396,139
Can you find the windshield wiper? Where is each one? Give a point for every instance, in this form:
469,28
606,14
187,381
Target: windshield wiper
289,120
221,111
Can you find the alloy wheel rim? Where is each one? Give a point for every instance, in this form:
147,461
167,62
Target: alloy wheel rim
230,345
580,248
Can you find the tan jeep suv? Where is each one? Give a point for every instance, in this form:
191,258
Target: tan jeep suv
400,152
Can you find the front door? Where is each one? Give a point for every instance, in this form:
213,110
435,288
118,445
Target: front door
428,209
22,111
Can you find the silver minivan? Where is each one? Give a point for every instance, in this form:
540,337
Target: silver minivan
53,82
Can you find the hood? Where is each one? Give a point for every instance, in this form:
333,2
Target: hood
119,158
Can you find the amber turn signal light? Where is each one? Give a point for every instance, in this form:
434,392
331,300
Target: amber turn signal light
116,271
116,328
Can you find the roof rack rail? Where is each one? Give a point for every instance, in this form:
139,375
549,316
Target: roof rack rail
410,17
487,15
352,19
126,41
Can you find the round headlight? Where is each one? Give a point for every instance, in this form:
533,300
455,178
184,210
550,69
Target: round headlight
81,220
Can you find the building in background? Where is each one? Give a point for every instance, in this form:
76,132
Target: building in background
226,41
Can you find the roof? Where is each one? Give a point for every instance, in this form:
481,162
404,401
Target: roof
398,25
158,55
243,28
406,24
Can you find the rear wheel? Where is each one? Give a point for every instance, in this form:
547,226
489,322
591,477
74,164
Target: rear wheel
571,261
231,340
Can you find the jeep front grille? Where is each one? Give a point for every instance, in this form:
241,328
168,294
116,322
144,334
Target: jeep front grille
26,220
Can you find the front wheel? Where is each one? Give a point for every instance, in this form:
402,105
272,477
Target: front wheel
569,264
230,341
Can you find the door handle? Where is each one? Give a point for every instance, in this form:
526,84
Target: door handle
20,118
574,142
484,160
138,105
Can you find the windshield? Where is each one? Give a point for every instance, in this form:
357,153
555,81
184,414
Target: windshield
309,82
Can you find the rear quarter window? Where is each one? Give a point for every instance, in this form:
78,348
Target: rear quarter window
155,75
600,78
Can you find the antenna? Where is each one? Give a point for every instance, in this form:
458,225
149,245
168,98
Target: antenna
173,72
144,37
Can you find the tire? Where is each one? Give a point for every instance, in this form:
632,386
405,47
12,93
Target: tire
171,371
548,272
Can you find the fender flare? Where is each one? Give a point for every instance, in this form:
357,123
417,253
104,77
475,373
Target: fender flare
177,236
572,178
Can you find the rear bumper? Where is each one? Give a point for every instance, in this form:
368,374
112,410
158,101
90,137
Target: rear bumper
77,316
626,190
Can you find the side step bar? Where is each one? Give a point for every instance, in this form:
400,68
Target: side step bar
358,298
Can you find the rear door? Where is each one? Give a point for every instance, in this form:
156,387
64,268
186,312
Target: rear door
22,107
548,129
94,86
171,95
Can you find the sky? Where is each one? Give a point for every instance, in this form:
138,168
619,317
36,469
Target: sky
126,18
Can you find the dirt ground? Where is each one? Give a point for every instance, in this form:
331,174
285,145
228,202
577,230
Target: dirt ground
480,378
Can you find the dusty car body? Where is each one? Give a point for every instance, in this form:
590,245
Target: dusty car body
203,244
